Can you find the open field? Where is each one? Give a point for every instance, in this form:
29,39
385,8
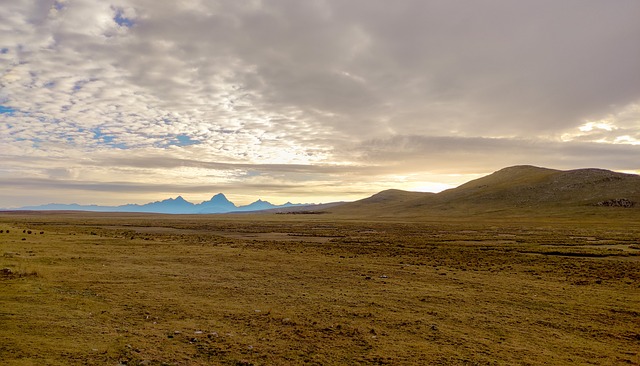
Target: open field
90,288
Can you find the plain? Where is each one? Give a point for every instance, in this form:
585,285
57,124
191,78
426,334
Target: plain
143,289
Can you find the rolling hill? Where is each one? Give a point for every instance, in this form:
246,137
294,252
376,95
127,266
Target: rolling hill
524,187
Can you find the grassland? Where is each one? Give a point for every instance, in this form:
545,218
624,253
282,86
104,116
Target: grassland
132,289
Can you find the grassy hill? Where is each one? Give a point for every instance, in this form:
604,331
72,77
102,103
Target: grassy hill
515,189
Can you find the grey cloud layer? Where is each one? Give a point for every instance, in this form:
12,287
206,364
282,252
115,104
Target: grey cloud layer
292,93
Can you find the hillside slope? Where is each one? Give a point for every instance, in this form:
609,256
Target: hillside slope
513,188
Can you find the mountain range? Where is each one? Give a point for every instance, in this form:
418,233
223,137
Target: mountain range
518,189
522,188
217,204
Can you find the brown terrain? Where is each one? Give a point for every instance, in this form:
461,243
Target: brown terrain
528,266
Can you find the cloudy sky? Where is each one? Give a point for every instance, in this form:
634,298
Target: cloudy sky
130,101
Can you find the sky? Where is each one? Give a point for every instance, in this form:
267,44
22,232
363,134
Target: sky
131,101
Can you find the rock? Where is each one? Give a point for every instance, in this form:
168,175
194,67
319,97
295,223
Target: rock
616,202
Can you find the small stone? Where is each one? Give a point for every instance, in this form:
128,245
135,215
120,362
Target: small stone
384,276
176,332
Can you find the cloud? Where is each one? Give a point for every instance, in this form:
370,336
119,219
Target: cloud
444,154
621,127
314,93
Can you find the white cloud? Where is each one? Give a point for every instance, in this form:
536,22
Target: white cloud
619,127
589,126
320,83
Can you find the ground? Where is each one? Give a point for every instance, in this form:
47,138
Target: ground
315,289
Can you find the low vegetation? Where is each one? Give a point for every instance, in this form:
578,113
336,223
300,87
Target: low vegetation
127,289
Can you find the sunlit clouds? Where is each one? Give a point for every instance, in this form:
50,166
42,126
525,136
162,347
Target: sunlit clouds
128,101
621,127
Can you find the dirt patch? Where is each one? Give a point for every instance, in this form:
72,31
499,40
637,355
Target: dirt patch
268,236
275,237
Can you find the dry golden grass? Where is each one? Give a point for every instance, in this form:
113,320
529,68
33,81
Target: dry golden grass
293,289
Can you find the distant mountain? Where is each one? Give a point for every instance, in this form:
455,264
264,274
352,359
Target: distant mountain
176,205
521,187
258,205
66,207
217,204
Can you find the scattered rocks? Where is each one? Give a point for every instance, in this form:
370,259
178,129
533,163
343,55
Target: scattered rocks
244,363
9,273
616,202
